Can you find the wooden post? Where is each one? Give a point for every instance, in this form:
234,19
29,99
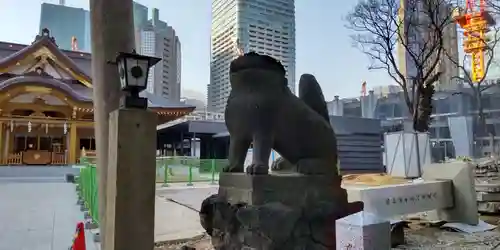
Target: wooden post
2,143
112,32
130,193
7,145
72,144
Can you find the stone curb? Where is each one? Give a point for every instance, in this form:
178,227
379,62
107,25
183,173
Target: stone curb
180,241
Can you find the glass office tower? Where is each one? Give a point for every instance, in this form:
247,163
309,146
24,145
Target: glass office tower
65,23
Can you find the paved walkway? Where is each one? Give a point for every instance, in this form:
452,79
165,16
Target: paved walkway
38,214
38,210
174,221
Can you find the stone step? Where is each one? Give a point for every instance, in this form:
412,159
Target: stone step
488,207
489,187
485,196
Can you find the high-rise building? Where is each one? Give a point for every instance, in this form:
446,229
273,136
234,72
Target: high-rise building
153,37
158,39
493,71
250,25
419,41
65,24
140,15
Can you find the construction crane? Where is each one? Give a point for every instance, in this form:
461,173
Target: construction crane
363,88
238,47
74,44
476,21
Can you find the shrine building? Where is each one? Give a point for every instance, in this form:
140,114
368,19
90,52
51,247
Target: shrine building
46,109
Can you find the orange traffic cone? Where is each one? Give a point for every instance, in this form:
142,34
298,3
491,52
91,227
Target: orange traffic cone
79,238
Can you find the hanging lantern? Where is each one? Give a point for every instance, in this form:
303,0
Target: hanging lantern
29,127
65,128
11,126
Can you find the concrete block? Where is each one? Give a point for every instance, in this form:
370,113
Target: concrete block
490,186
70,178
86,215
397,234
461,174
364,231
89,224
96,236
83,208
483,196
488,207
262,189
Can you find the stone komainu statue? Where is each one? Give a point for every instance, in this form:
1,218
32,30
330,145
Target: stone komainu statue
310,93
262,110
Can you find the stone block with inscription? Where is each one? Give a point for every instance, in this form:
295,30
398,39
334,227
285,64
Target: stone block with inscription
461,175
363,231
447,192
289,211
399,199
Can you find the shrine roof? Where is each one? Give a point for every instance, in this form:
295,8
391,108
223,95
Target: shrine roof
82,93
45,45
43,40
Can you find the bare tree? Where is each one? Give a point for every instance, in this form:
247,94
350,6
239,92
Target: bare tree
493,6
406,42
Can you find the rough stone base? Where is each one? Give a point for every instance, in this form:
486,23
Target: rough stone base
96,235
268,212
89,224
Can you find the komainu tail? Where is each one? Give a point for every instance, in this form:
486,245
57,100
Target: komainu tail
310,92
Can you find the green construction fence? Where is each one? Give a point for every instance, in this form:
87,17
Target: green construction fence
87,182
188,170
181,170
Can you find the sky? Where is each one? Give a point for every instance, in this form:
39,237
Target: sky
323,45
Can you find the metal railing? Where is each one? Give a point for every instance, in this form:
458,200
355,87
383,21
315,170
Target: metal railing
182,170
188,170
87,188
195,116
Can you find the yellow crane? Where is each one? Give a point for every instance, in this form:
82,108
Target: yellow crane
476,21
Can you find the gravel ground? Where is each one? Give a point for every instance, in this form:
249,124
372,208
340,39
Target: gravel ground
417,237
198,244
423,239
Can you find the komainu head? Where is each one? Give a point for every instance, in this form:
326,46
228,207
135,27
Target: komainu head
253,60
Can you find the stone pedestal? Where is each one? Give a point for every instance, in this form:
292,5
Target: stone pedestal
363,231
263,212
130,193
